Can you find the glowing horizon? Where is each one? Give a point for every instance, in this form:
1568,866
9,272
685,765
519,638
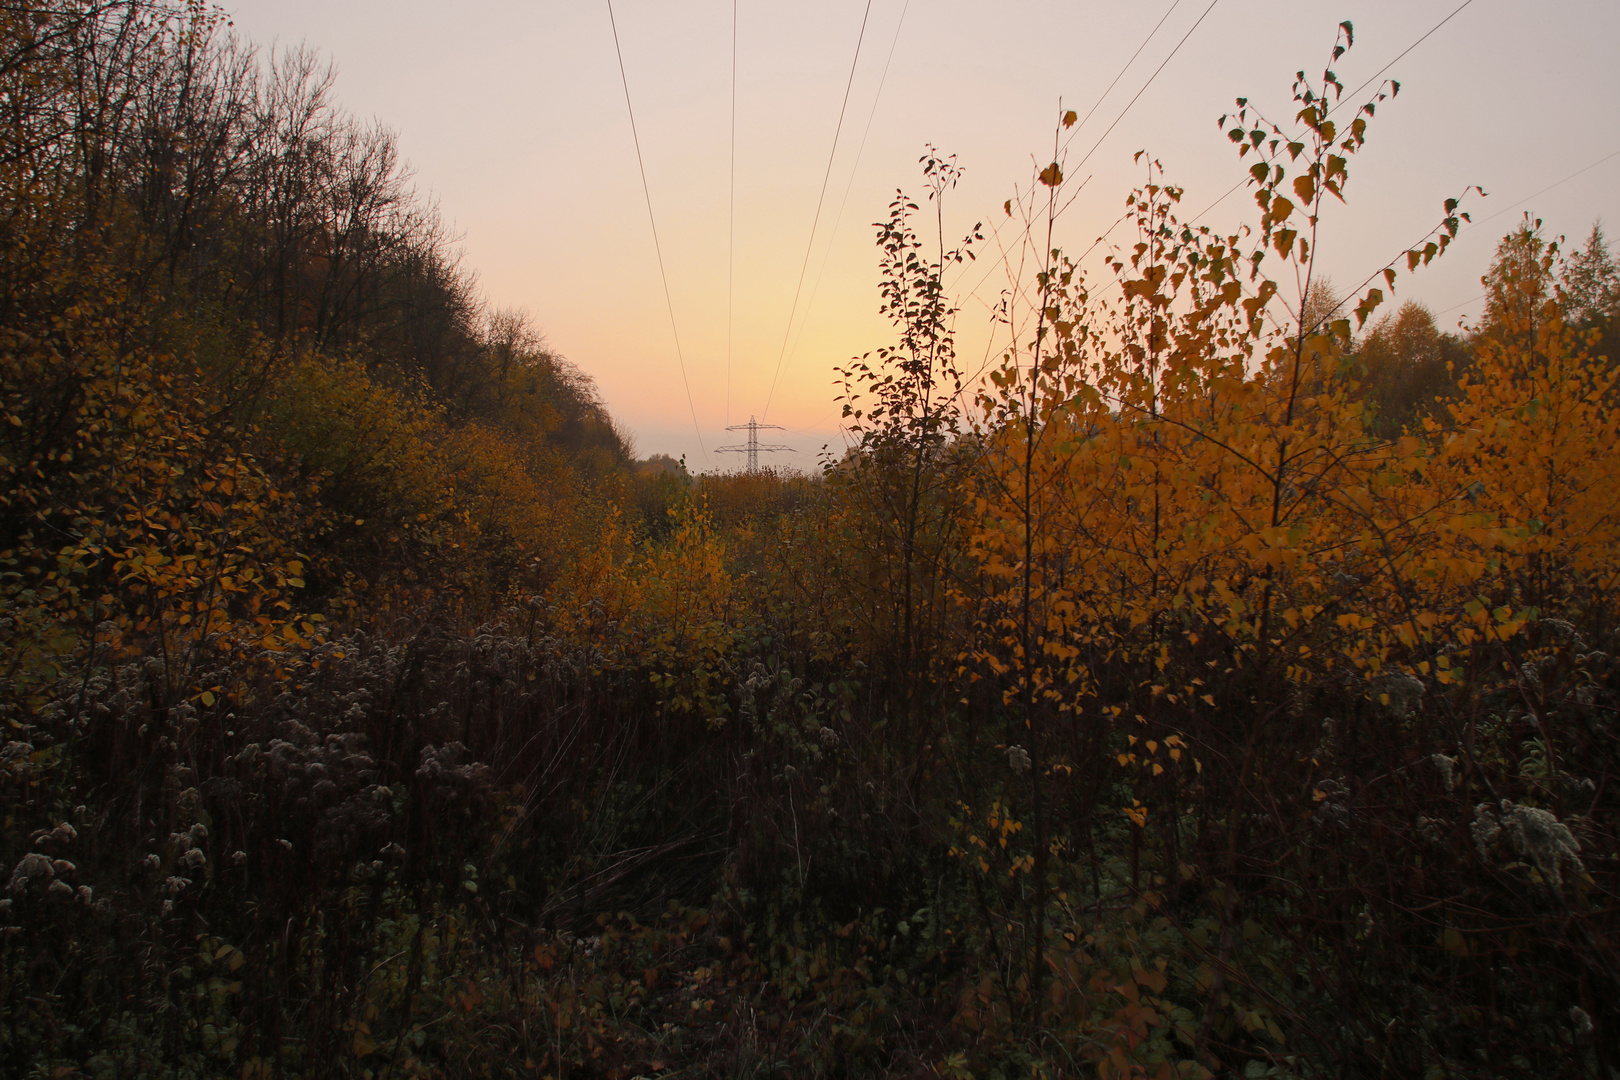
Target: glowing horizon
523,136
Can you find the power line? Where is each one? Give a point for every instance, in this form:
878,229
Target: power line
1104,95
815,289
1476,224
1117,119
1346,99
731,231
1507,209
1342,101
1465,303
1543,191
996,231
1402,56
657,247
1142,91
819,199
1106,233
1514,206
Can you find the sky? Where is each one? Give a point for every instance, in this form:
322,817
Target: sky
513,116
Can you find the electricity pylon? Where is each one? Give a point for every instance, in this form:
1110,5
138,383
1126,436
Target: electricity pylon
753,446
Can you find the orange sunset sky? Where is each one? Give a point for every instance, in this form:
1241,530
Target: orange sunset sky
514,118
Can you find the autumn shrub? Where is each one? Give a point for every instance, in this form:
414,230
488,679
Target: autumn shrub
411,505
1246,645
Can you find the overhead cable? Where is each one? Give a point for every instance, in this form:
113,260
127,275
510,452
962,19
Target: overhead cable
1515,206
1543,191
1112,126
831,153
1345,99
657,247
996,230
1142,91
731,228
838,218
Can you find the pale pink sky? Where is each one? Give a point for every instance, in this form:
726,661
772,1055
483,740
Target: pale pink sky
513,116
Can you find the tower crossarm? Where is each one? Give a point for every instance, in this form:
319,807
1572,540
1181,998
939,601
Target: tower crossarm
753,447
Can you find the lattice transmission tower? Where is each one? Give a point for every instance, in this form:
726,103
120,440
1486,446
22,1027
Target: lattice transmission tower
753,447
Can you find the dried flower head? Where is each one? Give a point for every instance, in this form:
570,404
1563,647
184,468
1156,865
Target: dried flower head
32,866
1533,833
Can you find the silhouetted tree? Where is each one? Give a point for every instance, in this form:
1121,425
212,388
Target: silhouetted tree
1408,367
1519,280
1591,284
